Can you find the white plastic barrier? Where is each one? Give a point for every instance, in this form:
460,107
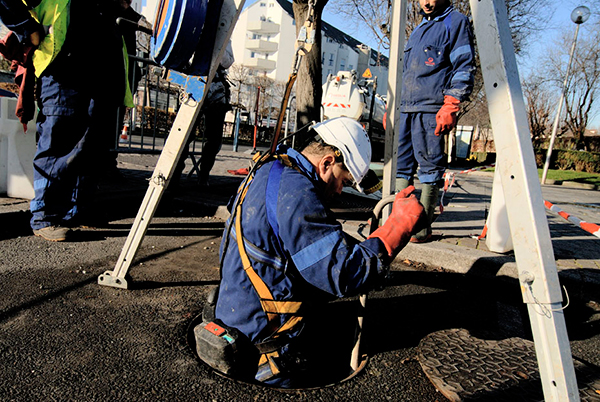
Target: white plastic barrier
17,150
498,238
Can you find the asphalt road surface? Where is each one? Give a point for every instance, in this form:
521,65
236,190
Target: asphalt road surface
66,338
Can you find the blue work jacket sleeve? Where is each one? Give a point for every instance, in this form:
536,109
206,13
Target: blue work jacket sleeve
320,249
462,58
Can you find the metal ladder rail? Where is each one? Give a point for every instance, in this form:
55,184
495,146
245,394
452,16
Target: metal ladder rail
538,274
177,139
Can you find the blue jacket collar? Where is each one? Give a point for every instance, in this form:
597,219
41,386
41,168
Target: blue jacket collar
299,161
438,17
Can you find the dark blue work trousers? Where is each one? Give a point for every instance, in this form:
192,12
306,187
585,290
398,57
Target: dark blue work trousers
71,125
418,146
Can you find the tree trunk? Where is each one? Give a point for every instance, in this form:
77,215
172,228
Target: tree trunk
308,84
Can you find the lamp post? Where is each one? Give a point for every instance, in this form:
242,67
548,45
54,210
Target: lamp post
578,16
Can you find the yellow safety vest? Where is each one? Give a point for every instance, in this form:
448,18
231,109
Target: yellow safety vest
55,13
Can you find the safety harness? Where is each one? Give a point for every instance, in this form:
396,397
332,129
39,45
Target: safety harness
272,308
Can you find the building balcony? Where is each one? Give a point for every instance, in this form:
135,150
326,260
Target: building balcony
260,64
261,46
262,27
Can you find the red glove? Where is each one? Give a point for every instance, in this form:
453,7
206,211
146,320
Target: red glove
397,229
446,116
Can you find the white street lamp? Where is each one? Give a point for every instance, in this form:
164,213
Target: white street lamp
578,16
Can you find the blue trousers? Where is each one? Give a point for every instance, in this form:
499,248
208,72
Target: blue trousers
418,146
71,125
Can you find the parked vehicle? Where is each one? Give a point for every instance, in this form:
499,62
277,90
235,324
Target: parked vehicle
345,94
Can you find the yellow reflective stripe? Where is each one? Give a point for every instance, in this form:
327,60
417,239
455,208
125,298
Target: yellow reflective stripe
128,99
290,324
259,285
54,13
281,306
264,358
271,307
274,368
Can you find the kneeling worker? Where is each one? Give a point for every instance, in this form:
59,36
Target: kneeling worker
286,249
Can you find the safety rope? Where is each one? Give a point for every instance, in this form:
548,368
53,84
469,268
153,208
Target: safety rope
449,178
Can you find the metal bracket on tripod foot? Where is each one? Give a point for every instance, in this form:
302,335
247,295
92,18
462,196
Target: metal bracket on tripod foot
107,279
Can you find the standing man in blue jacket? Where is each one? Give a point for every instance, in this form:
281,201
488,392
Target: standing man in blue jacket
438,75
285,248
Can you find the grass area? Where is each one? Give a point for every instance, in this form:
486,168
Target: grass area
567,175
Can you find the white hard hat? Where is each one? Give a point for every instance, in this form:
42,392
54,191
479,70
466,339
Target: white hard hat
353,142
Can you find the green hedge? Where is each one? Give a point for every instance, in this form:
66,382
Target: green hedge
580,161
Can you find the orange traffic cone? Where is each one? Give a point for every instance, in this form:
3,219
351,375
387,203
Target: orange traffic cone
124,137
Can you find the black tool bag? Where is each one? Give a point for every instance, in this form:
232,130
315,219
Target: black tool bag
224,348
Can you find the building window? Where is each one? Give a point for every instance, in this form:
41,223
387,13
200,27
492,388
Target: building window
252,55
263,18
331,56
350,67
263,4
342,64
323,59
271,4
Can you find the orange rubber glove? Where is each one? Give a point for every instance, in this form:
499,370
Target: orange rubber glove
446,116
397,229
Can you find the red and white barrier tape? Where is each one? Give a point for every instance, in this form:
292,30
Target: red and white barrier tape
477,168
588,227
448,183
449,178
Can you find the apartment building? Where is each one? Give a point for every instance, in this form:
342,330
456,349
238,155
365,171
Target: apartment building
264,41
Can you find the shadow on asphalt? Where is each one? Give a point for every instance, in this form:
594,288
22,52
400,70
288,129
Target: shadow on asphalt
489,308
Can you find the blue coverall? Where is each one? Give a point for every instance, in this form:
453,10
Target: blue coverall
438,61
78,96
311,258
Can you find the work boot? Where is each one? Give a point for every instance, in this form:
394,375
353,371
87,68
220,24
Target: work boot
53,233
429,199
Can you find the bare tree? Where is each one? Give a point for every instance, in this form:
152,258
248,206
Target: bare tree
267,99
583,83
525,16
239,75
539,105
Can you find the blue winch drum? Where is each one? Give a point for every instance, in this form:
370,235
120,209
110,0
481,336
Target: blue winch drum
178,27
200,64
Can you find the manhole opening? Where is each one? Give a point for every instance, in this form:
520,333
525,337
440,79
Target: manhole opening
327,346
